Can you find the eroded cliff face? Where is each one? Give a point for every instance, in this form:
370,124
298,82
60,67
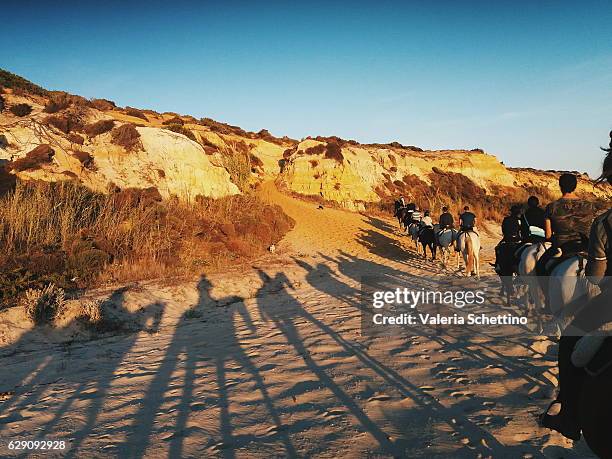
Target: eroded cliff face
185,157
371,173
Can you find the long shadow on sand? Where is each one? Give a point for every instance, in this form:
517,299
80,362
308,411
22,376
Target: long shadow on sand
185,346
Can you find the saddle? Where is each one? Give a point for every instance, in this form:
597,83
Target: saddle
568,250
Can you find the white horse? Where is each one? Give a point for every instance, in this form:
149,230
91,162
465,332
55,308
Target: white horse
469,245
446,239
528,276
567,283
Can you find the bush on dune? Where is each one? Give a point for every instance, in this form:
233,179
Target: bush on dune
65,234
75,138
126,136
99,127
66,123
173,120
85,159
34,159
102,104
15,82
135,113
21,110
57,103
180,129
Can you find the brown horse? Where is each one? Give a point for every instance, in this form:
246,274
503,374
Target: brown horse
596,413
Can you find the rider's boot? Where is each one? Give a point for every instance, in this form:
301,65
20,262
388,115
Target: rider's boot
570,385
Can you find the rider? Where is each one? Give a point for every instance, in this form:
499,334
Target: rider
446,219
597,312
416,216
511,225
505,263
467,222
426,220
566,223
399,203
532,223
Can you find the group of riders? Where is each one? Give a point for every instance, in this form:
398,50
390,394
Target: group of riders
568,227
412,217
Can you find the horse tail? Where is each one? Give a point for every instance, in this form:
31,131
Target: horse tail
470,254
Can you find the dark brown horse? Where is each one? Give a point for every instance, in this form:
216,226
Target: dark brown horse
596,413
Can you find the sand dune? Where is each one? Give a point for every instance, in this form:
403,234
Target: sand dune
269,361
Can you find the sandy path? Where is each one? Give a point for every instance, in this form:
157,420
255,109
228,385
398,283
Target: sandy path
270,361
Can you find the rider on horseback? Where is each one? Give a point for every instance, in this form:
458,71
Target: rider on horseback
426,220
467,223
532,223
505,261
566,222
595,313
446,219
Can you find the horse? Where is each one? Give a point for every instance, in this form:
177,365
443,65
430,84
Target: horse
469,245
528,259
427,238
400,213
595,412
567,283
413,229
594,400
506,266
445,240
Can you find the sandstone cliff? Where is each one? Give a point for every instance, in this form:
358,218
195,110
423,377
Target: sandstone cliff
185,157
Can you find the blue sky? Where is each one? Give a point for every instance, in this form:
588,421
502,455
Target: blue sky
530,82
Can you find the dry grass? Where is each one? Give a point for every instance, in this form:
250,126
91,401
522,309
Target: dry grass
64,234
236,158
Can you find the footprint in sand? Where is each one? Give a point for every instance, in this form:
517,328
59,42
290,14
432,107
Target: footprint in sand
333,413
427,388
379,398
459,394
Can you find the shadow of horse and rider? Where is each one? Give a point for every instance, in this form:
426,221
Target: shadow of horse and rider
190,363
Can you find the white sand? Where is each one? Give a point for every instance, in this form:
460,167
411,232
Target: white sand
271,362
